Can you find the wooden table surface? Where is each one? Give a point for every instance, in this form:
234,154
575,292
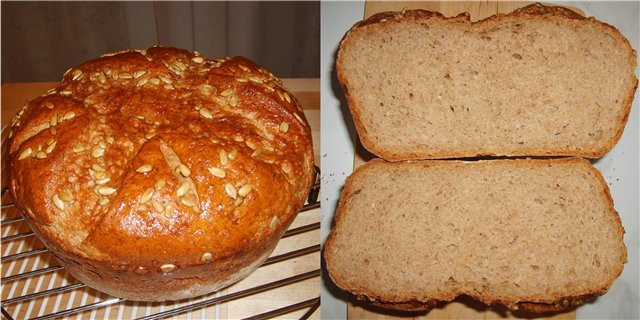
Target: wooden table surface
463,307
14,96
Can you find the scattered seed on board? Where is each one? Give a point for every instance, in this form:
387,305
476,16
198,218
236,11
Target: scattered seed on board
144,168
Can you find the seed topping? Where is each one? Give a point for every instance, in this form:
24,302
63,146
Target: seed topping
106,191
197,59
183,189
26,153
69,115
224,157
231,190
284,127
146,195
244,190
41,155
233,101
97,175
187,201
103,201
66,195
166,268
217,172
53,121
157,206
144,168
57,202
103,180
205,113
207,256
97,152
233,154
160,184
184,170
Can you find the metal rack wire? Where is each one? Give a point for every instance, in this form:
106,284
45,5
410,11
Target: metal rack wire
287,284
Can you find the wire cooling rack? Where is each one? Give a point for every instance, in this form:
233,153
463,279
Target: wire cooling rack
287,285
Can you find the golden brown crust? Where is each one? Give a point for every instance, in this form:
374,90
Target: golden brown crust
532,11
540,304
157,167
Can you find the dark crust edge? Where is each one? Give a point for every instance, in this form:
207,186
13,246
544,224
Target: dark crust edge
535,9
541,306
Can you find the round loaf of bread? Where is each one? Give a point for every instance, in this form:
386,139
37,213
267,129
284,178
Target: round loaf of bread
159,174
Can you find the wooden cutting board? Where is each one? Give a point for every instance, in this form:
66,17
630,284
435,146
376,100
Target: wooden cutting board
463,307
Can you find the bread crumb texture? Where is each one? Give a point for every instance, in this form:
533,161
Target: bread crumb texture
502,231
538,81
161,167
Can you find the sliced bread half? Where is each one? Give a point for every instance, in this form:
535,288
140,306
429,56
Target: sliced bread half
538,81
538,235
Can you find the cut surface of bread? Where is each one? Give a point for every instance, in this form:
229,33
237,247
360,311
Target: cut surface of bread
538,235
538,81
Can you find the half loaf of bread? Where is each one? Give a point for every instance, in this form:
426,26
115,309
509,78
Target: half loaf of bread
538,81
538,235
